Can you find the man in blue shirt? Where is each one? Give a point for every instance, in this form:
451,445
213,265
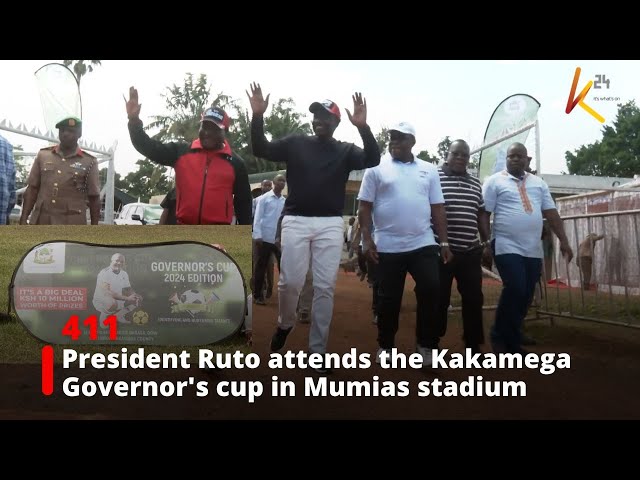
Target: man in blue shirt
7,180
518,201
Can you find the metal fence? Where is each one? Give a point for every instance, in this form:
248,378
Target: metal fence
613,293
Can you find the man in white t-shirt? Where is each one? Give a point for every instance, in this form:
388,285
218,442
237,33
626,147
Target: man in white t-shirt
114,294
405,197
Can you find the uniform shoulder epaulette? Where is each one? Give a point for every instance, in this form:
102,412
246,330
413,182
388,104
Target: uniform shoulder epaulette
88,155
50,147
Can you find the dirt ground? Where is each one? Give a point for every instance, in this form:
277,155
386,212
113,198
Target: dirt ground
602,383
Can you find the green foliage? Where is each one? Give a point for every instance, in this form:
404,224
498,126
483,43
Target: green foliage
474,161
181,123
184,105
443,148
282,121
383,139
80,68
146,182
22,172
424,155
118,181
617,154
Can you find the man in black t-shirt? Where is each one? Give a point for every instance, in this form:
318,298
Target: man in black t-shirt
318,168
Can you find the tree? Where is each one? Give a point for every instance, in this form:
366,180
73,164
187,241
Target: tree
118,182
146,182
22,172
80,68
282,121
474,161
383,139
184,105
424,155
443,148
617,154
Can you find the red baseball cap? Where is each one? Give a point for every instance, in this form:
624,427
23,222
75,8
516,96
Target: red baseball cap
217,116
327,105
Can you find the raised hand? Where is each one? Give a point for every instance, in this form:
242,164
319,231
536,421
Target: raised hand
133,107
258,103
359,115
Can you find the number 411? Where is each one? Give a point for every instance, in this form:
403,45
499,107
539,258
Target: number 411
71,328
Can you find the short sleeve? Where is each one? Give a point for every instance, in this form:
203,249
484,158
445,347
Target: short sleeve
369,185
435,189
489,195
547,199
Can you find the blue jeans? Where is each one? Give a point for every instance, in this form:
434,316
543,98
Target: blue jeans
519,277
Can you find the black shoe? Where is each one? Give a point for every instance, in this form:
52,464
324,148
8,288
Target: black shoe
278,339
323,369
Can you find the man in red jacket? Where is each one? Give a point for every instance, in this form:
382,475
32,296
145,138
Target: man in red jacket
211,184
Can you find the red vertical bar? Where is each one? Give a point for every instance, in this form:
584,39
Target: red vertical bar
47,369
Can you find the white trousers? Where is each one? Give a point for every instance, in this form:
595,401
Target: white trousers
321,239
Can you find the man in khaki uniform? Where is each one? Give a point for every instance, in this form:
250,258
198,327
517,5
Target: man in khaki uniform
62,181
585,260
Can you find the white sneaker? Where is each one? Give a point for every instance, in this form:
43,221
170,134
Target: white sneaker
427,355
380,350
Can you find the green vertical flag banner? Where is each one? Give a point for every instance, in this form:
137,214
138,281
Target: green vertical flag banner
511,114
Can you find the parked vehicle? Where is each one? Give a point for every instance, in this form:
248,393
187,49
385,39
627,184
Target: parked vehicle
139,214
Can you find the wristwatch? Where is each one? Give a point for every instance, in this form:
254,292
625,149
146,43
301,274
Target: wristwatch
444,244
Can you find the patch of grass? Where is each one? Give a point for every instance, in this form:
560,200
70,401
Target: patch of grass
18,346
570,301
593,304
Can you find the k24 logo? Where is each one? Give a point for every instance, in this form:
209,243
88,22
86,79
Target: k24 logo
579,100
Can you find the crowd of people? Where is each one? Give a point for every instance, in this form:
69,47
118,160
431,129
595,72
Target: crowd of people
413,217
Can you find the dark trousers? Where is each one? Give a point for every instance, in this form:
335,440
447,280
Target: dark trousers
422,264
466,269
519,277
362,260
264,252
372,276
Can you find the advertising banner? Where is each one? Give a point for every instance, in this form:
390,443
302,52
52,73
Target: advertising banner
59,94
178,293
511,114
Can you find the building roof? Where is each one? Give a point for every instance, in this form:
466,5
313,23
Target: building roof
576,184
